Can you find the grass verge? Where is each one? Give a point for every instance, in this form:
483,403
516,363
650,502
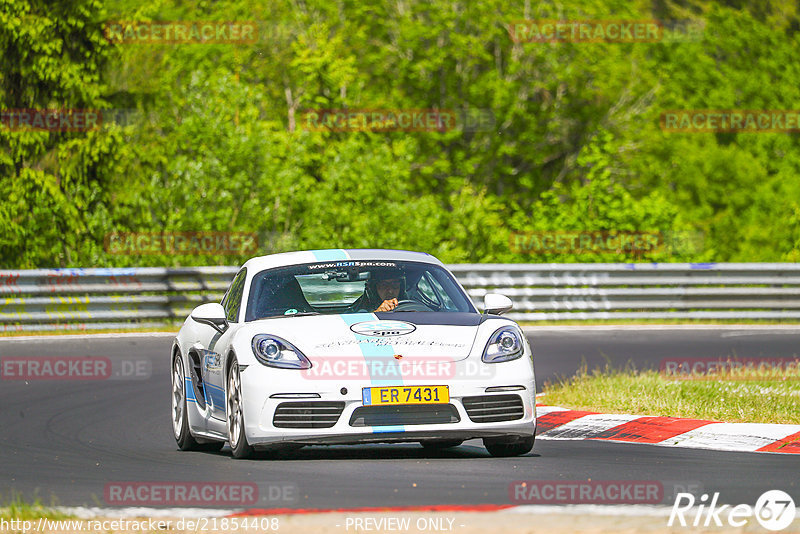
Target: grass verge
744,396
17,508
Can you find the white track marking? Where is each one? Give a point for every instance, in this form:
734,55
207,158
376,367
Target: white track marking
732,436
587,425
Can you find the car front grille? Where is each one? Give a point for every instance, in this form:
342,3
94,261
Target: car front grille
307,414
494,408
414,414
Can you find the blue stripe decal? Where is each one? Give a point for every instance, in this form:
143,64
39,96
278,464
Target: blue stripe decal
381,355
213,393
376,357
382,429
217,396
330,255
189,389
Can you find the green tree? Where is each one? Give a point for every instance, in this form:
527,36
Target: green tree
52,183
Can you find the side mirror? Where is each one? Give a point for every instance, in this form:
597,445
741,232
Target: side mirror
496,304
212,314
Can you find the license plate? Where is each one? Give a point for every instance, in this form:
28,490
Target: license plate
406,395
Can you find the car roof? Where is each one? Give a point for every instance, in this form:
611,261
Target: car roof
260,263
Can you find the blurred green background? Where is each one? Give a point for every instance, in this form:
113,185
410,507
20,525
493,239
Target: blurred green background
207,142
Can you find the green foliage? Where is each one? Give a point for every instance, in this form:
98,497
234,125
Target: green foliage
52,183
217,141
596,203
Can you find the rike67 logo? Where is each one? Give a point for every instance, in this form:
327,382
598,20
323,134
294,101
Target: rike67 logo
774,510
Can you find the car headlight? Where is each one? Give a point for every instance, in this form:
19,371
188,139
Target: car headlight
276,352
504,345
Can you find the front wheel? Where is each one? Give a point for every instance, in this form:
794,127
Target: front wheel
236,436
180,419
504,449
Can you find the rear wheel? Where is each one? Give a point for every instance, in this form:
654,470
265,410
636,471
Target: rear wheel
502,449
236,435
437,444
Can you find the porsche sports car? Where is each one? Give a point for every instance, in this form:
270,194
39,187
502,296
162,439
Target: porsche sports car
331,347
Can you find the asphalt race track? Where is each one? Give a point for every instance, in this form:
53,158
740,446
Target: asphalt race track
65,440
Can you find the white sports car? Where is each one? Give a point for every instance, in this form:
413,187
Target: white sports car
351,346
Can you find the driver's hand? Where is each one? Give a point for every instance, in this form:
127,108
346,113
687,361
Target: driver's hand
387,305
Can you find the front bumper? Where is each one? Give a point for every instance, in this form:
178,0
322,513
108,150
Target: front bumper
261,384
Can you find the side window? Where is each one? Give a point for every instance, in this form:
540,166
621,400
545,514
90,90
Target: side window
232,302
447,301
425,290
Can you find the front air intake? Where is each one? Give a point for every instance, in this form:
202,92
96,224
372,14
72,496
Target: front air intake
494,408
307,414
413,414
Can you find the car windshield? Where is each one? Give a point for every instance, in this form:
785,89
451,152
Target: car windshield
352,287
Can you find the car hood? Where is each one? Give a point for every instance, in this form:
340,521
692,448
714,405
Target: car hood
447,336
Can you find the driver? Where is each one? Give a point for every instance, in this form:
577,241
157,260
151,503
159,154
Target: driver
383,290
388,290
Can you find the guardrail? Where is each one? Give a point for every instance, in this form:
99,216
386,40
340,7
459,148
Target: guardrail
80,299
106,299
588,291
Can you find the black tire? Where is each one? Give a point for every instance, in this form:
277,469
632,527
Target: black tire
504,449
180,418
438,444
234,415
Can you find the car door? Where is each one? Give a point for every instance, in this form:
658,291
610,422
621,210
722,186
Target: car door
213,346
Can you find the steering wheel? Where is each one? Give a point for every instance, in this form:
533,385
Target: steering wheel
410,305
